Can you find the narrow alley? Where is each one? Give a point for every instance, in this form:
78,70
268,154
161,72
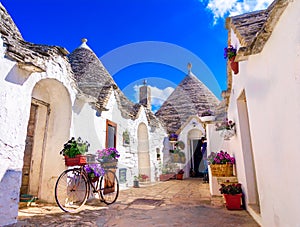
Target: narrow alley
172,203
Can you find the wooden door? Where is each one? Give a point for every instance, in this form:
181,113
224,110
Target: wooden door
28,150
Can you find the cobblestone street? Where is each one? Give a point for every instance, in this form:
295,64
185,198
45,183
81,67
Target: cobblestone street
171,203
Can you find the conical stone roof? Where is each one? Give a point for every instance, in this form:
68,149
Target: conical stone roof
91,76
191,97
94,80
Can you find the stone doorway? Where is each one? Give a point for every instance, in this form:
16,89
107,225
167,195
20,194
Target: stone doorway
253,200
28,151
143,151
35,146
48,129
194,137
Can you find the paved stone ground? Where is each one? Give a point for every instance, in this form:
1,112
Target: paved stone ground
170,203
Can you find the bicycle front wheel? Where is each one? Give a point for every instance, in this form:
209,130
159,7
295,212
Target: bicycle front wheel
109,187
71,190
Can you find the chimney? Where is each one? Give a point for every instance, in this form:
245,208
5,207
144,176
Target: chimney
145,95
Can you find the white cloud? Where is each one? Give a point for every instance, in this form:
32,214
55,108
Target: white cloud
224,8
158,96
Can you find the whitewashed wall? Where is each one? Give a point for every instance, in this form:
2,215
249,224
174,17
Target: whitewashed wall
15,98
192,129
93,129
271,81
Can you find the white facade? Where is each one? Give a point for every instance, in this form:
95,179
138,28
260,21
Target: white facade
20,88
49,100
91,127
191,130
265,104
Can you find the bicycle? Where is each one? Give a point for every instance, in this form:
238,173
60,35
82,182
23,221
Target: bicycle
73,186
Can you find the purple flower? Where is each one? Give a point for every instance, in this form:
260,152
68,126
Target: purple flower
94,170
221,158
108,153
229,52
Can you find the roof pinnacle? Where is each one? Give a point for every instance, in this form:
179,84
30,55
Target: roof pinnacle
189,66
84,45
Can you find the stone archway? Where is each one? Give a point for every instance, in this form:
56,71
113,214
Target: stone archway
143,151
48,129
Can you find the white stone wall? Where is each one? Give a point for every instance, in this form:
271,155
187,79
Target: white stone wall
15,98
192,129
271,81
93,129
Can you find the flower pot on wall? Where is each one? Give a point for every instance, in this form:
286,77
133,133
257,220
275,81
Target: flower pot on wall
207,118
234,65
227,133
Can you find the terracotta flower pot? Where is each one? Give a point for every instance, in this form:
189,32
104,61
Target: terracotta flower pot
234,65
78,160
179,176
233,202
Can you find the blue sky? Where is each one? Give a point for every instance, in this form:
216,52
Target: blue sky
139,39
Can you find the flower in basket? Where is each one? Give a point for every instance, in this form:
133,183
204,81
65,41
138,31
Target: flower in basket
231,189
229,52
108,154
207,113
94,171
173,137
75,147
220,158
226,124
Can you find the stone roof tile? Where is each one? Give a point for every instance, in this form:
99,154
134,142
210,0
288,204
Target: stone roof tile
254,29
28,55
191,97
94,80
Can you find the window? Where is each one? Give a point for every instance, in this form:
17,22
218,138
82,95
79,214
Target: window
111,134
157,154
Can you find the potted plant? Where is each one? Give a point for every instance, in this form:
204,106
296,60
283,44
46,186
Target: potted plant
168,171
74,151
94,171
136,182
226,128
143,177
221,164
207,115
179,175
173,137
108,157
233,196
230,53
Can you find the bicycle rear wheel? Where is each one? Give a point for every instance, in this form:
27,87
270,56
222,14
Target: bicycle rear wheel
71,190
109,187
